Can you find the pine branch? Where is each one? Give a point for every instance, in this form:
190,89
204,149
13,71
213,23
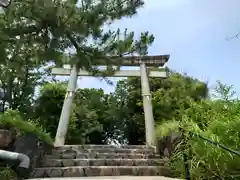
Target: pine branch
23,30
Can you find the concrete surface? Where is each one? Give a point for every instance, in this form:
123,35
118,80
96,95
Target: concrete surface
111,178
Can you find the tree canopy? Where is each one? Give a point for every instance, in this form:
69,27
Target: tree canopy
54,27
118,116
36,33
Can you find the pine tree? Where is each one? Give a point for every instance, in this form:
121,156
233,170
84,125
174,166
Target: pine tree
53,27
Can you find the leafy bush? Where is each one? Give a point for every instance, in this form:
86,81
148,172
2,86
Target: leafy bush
165,128
92,119
221,124
7,174
12,120
48,106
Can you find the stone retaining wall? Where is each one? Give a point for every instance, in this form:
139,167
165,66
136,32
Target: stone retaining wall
28,144
167,145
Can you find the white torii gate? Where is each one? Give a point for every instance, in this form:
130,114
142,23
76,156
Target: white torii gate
143,62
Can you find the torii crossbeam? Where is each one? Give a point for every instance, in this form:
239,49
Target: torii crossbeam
142,61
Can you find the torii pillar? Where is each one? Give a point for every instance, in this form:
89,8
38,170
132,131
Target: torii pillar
147,106
143,61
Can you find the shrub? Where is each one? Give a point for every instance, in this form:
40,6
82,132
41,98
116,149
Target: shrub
7,174
222,125
12,120
166,127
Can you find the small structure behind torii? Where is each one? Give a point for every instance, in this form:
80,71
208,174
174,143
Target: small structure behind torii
143,62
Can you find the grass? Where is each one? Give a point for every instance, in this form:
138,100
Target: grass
165,128
220,123
12,120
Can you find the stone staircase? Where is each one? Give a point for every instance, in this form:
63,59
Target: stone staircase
101,160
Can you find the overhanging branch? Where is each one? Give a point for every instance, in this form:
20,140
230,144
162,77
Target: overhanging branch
22,31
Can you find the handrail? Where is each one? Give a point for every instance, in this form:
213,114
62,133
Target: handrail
219,145
209,141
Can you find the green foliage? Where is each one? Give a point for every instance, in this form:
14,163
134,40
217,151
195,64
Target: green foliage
224,91
54,27
179,102
163,129
48,106
175,94
7,174
11,119
170,96
217,120
90,106
98,118
36,33
90,120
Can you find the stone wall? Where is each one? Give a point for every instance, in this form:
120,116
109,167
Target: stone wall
28,144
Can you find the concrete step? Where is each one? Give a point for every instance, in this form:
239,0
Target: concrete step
102,162
74,155
81,149
92,146
110,178
82,171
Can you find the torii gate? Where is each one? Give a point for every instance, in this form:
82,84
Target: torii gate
143,62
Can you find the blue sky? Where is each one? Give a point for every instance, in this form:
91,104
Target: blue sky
194,33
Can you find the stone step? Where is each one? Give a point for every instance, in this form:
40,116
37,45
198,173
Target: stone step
102,162
93,146
101,150
81,171
58,155
111,178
